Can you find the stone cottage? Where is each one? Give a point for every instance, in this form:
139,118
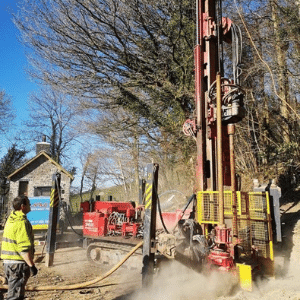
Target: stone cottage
34,178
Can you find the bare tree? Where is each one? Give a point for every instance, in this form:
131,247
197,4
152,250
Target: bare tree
89,174
130,62
51,114
6,112
135,54
268,137
106,167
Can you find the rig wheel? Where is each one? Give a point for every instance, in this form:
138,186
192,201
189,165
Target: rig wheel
93,253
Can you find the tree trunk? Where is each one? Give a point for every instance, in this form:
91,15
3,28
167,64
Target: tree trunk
283,86
136,155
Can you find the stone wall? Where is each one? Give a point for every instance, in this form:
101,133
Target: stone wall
39,174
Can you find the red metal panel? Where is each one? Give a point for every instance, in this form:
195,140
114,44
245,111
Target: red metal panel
94,224
223,235
171,218
121,207
85,206
221,259
130,212
130,228
97,223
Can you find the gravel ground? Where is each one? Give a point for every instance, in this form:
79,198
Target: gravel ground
72,267
174,282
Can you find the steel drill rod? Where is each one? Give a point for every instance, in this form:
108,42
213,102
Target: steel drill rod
219,150
231,130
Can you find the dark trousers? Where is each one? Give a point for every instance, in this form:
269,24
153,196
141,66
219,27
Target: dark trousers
17,275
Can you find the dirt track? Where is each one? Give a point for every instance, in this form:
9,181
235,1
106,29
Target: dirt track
175,282
72,267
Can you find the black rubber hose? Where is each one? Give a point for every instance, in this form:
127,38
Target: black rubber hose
159,209
67,217
187,205
65,210
160,215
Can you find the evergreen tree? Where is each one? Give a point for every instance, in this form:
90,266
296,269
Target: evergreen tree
11,161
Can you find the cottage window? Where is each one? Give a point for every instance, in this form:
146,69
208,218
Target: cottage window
42,191
23,188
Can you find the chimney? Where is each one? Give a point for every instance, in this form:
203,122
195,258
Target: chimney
43,146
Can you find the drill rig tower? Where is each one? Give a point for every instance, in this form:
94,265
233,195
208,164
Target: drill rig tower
227,229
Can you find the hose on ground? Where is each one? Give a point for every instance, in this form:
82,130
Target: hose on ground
83,284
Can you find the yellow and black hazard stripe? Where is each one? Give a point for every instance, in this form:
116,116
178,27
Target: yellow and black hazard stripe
54,198
148,196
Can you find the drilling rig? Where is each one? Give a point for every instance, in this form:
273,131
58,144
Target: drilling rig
220,227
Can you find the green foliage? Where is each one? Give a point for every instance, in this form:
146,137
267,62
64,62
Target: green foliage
136,55
130,63
11,161
267,141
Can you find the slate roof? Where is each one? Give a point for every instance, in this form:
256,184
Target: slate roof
59,167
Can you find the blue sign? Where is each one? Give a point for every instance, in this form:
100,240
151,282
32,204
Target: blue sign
39,214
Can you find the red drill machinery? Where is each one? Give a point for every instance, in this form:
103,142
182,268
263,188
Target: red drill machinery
227,229
111,229
220,227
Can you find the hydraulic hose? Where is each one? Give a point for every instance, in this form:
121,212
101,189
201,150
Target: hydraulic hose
83,284
187,205
160,215
66,212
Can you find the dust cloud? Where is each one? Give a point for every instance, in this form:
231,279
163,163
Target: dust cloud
176,282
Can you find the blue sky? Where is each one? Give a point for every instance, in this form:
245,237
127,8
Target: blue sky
13,77
13,63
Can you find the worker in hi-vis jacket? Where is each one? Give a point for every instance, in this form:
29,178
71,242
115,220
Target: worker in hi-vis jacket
17,249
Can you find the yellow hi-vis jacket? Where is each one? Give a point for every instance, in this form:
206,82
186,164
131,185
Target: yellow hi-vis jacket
17,237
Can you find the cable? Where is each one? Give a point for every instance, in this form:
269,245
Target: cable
81,235
160,215
185,208
187,205
65,210
236,52
158,204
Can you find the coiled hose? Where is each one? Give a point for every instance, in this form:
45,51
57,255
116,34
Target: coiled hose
83,284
